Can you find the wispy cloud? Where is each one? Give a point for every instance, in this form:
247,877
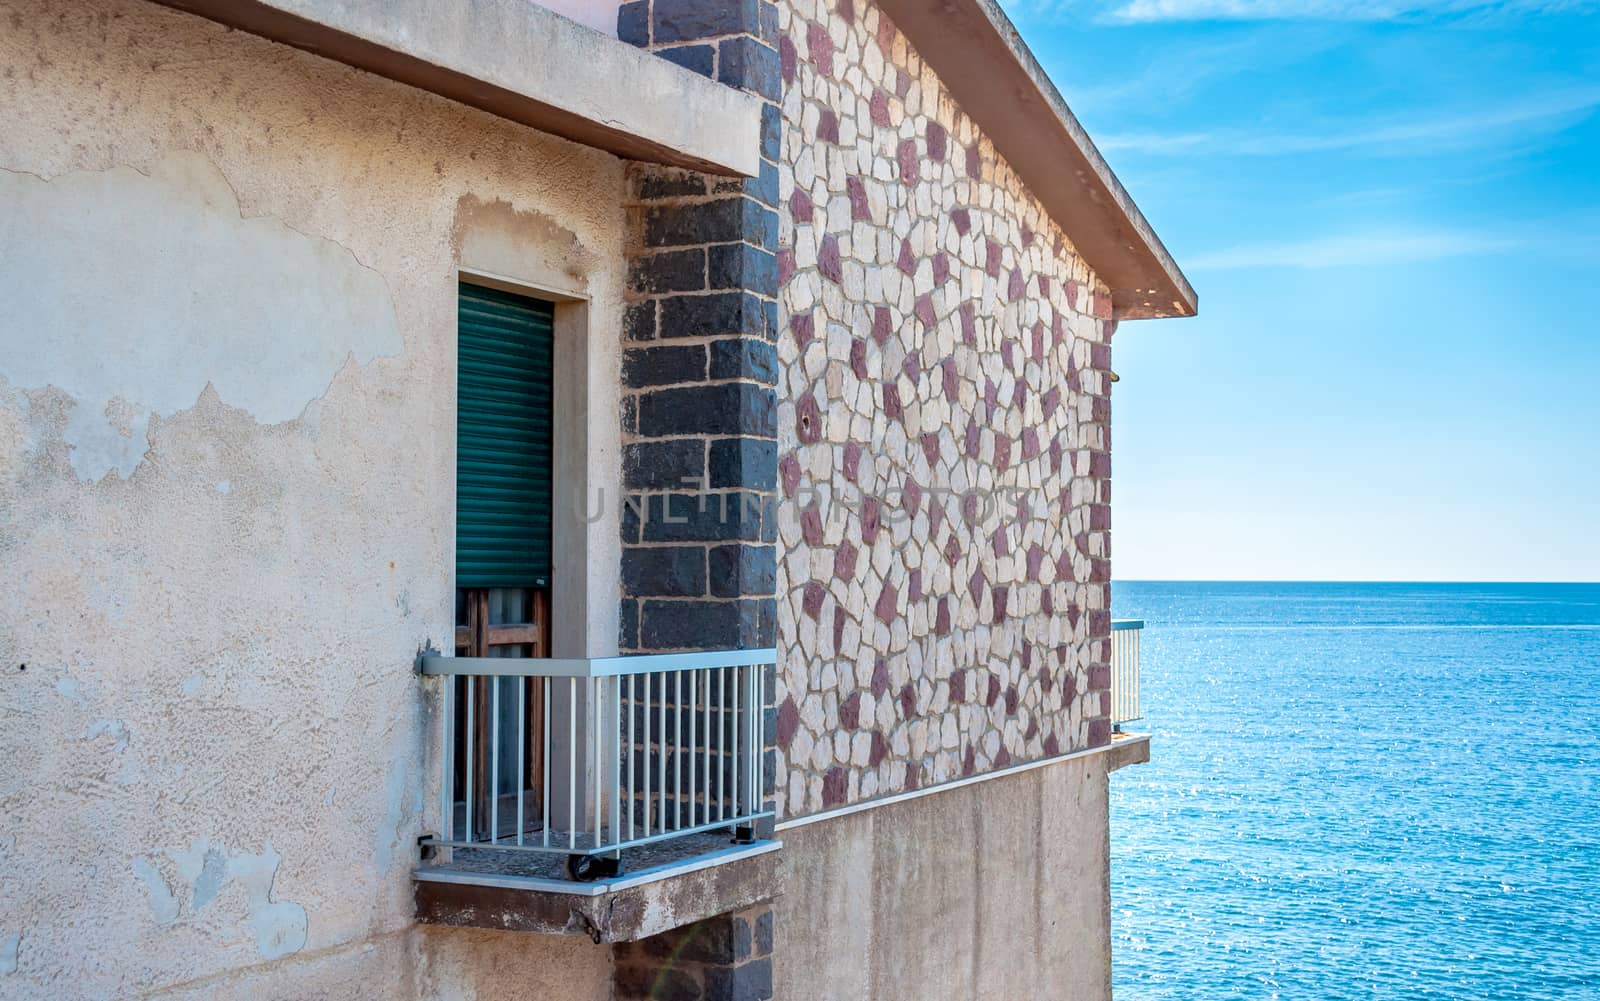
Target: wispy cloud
1451,131
1331,10
1378,247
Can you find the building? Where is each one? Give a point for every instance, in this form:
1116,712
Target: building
349,345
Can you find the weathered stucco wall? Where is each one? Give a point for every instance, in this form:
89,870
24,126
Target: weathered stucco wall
997,890
943,436
227,497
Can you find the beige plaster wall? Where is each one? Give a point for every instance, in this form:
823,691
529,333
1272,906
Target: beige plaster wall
996,891
227,495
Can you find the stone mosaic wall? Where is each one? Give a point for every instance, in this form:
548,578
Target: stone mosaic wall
943,423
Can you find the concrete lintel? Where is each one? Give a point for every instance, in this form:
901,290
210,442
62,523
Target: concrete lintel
631,910
521,61
989,70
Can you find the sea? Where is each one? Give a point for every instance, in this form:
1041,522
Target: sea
1360,791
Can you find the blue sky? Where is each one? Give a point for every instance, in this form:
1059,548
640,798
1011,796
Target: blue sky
1391,211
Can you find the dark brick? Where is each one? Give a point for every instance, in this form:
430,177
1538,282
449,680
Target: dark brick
760,225
633,23
633,512
714,940
771,132
749,65
745,358
732,408
769,23
718,221
670,572
694,517
751,463
739,571
717,314
751,981
764,186
690,20
741,266
639,321
652,183
679,464
628,630
699,59
642,367
706,625
650,981
763,933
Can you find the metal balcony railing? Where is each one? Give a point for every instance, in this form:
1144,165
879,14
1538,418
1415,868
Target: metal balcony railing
1125,671
588,757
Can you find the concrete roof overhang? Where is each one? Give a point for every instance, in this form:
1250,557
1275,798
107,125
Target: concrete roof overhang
540,69
990,72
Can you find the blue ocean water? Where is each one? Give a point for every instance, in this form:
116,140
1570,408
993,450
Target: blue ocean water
1362,791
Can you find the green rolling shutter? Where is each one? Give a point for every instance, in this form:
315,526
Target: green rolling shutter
505,347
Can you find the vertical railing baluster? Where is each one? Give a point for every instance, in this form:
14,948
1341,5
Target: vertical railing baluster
738,696
447,796
572,762
546,720
615,732
494,760
705,743
693,820
644,754
661,758
522,752
752,717
722,729
596,763
759,729
677,749
633,704
472,746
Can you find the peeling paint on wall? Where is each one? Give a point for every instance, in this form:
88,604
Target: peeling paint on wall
280,927
155,286
163,905
9,946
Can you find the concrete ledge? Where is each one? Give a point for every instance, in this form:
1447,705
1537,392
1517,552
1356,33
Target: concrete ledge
623,910
987,67
1128,749
1118,756
521,61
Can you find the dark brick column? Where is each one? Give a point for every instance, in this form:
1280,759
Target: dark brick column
700,463
725,958
700,369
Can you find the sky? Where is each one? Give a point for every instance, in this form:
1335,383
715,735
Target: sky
1391,212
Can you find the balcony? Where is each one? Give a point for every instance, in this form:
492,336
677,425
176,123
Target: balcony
1125,671
569,784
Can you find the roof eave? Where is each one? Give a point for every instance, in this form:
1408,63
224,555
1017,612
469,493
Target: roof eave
989,70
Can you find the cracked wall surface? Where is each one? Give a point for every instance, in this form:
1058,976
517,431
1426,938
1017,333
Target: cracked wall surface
227,501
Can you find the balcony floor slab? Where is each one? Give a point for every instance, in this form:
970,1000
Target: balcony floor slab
662,886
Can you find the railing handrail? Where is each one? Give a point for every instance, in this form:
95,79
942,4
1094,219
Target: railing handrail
1118,624
595,667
